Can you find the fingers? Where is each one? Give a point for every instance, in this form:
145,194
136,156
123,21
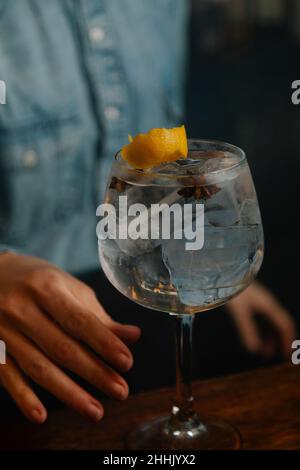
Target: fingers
283,322
247,328
69,353
258,299
127,333
17,387
37,366
87,326
40,344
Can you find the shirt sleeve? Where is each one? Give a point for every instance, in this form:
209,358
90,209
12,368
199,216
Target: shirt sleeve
6,249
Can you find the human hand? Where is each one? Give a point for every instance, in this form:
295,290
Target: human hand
257,299
50,321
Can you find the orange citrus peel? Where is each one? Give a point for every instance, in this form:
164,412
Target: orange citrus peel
156,147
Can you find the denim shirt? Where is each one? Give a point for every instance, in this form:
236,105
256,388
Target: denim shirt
80,75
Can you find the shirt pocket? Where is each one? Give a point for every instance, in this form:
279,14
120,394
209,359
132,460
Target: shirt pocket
41,175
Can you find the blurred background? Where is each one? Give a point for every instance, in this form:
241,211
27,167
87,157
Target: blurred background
244,56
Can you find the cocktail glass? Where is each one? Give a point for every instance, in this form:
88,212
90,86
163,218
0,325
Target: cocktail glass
159,272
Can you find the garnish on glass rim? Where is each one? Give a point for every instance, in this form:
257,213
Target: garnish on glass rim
158,146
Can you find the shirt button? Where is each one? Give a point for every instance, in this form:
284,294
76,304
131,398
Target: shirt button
96,34
112,113
30,159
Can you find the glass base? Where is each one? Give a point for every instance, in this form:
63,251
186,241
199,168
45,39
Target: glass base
207,434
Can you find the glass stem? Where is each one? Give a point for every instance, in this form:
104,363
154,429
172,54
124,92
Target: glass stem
183,412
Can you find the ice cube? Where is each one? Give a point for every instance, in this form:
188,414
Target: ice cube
212,164
219,162
136,247
112,253
148,244
145,195
224,261
198,298
249,212
222,208
151,270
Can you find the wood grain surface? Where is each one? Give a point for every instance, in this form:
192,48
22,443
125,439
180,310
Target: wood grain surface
263,404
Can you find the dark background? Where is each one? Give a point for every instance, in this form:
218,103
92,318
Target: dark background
244,57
